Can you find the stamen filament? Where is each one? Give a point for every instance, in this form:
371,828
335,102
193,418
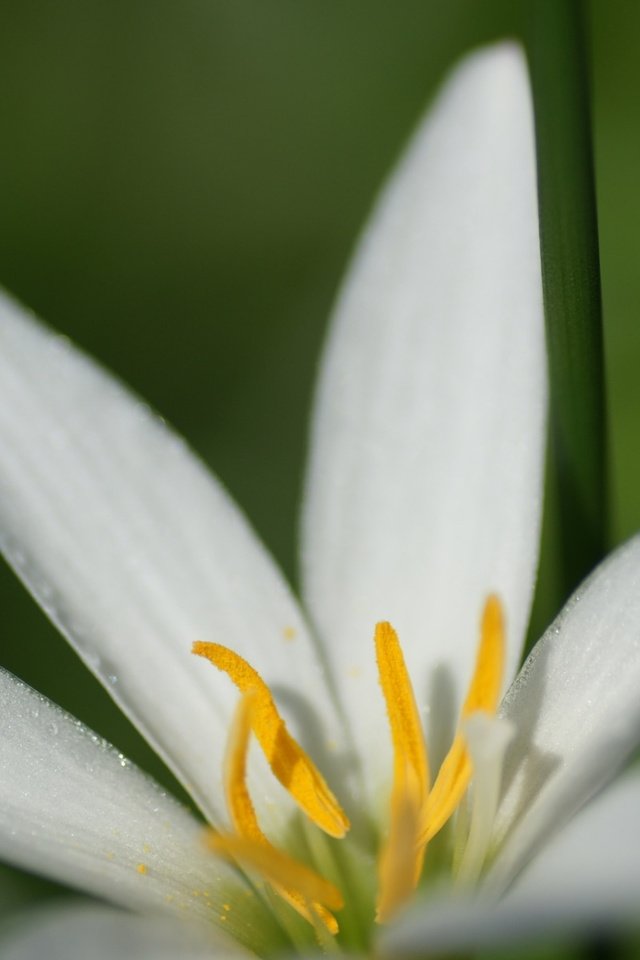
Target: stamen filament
488,738
288,761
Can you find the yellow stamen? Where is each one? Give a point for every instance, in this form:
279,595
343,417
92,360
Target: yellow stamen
404,719
301,887
417,812
239,803
288,761
484,690
282,871
486,684
400,862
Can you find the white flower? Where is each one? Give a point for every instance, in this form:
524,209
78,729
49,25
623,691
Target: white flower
422,509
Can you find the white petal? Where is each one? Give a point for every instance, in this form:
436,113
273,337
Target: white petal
72,808
575,708
82,932
424,487
590,872
586,881
135,552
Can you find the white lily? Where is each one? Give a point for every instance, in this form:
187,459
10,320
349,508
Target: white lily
423,510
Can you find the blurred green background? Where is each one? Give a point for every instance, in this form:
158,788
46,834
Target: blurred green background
180,187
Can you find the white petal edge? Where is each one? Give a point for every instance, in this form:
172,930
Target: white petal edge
89,932
74,809
135,551
576,711
425,477
585,882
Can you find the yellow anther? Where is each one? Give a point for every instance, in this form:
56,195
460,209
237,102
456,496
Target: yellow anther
279,869
456,770
417,812
486,684
305,890
288,761
239,803
400,861
406,730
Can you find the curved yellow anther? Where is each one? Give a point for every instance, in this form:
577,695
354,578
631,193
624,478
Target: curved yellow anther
288,761
293,880
239,802
456,770
400,861
304,889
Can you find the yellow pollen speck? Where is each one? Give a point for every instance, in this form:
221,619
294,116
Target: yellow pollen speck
289,634
142,868
226,907
354,672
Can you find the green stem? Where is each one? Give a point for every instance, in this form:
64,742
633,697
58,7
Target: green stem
571,281
605,947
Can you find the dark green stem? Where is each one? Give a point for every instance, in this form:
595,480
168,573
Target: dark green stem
603,947
571,280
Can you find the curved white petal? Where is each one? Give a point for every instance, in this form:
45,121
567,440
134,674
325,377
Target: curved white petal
587,880
73,808
590,872
83,932
425,477
576,710
135,552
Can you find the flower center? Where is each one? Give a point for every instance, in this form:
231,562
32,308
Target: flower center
418,809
